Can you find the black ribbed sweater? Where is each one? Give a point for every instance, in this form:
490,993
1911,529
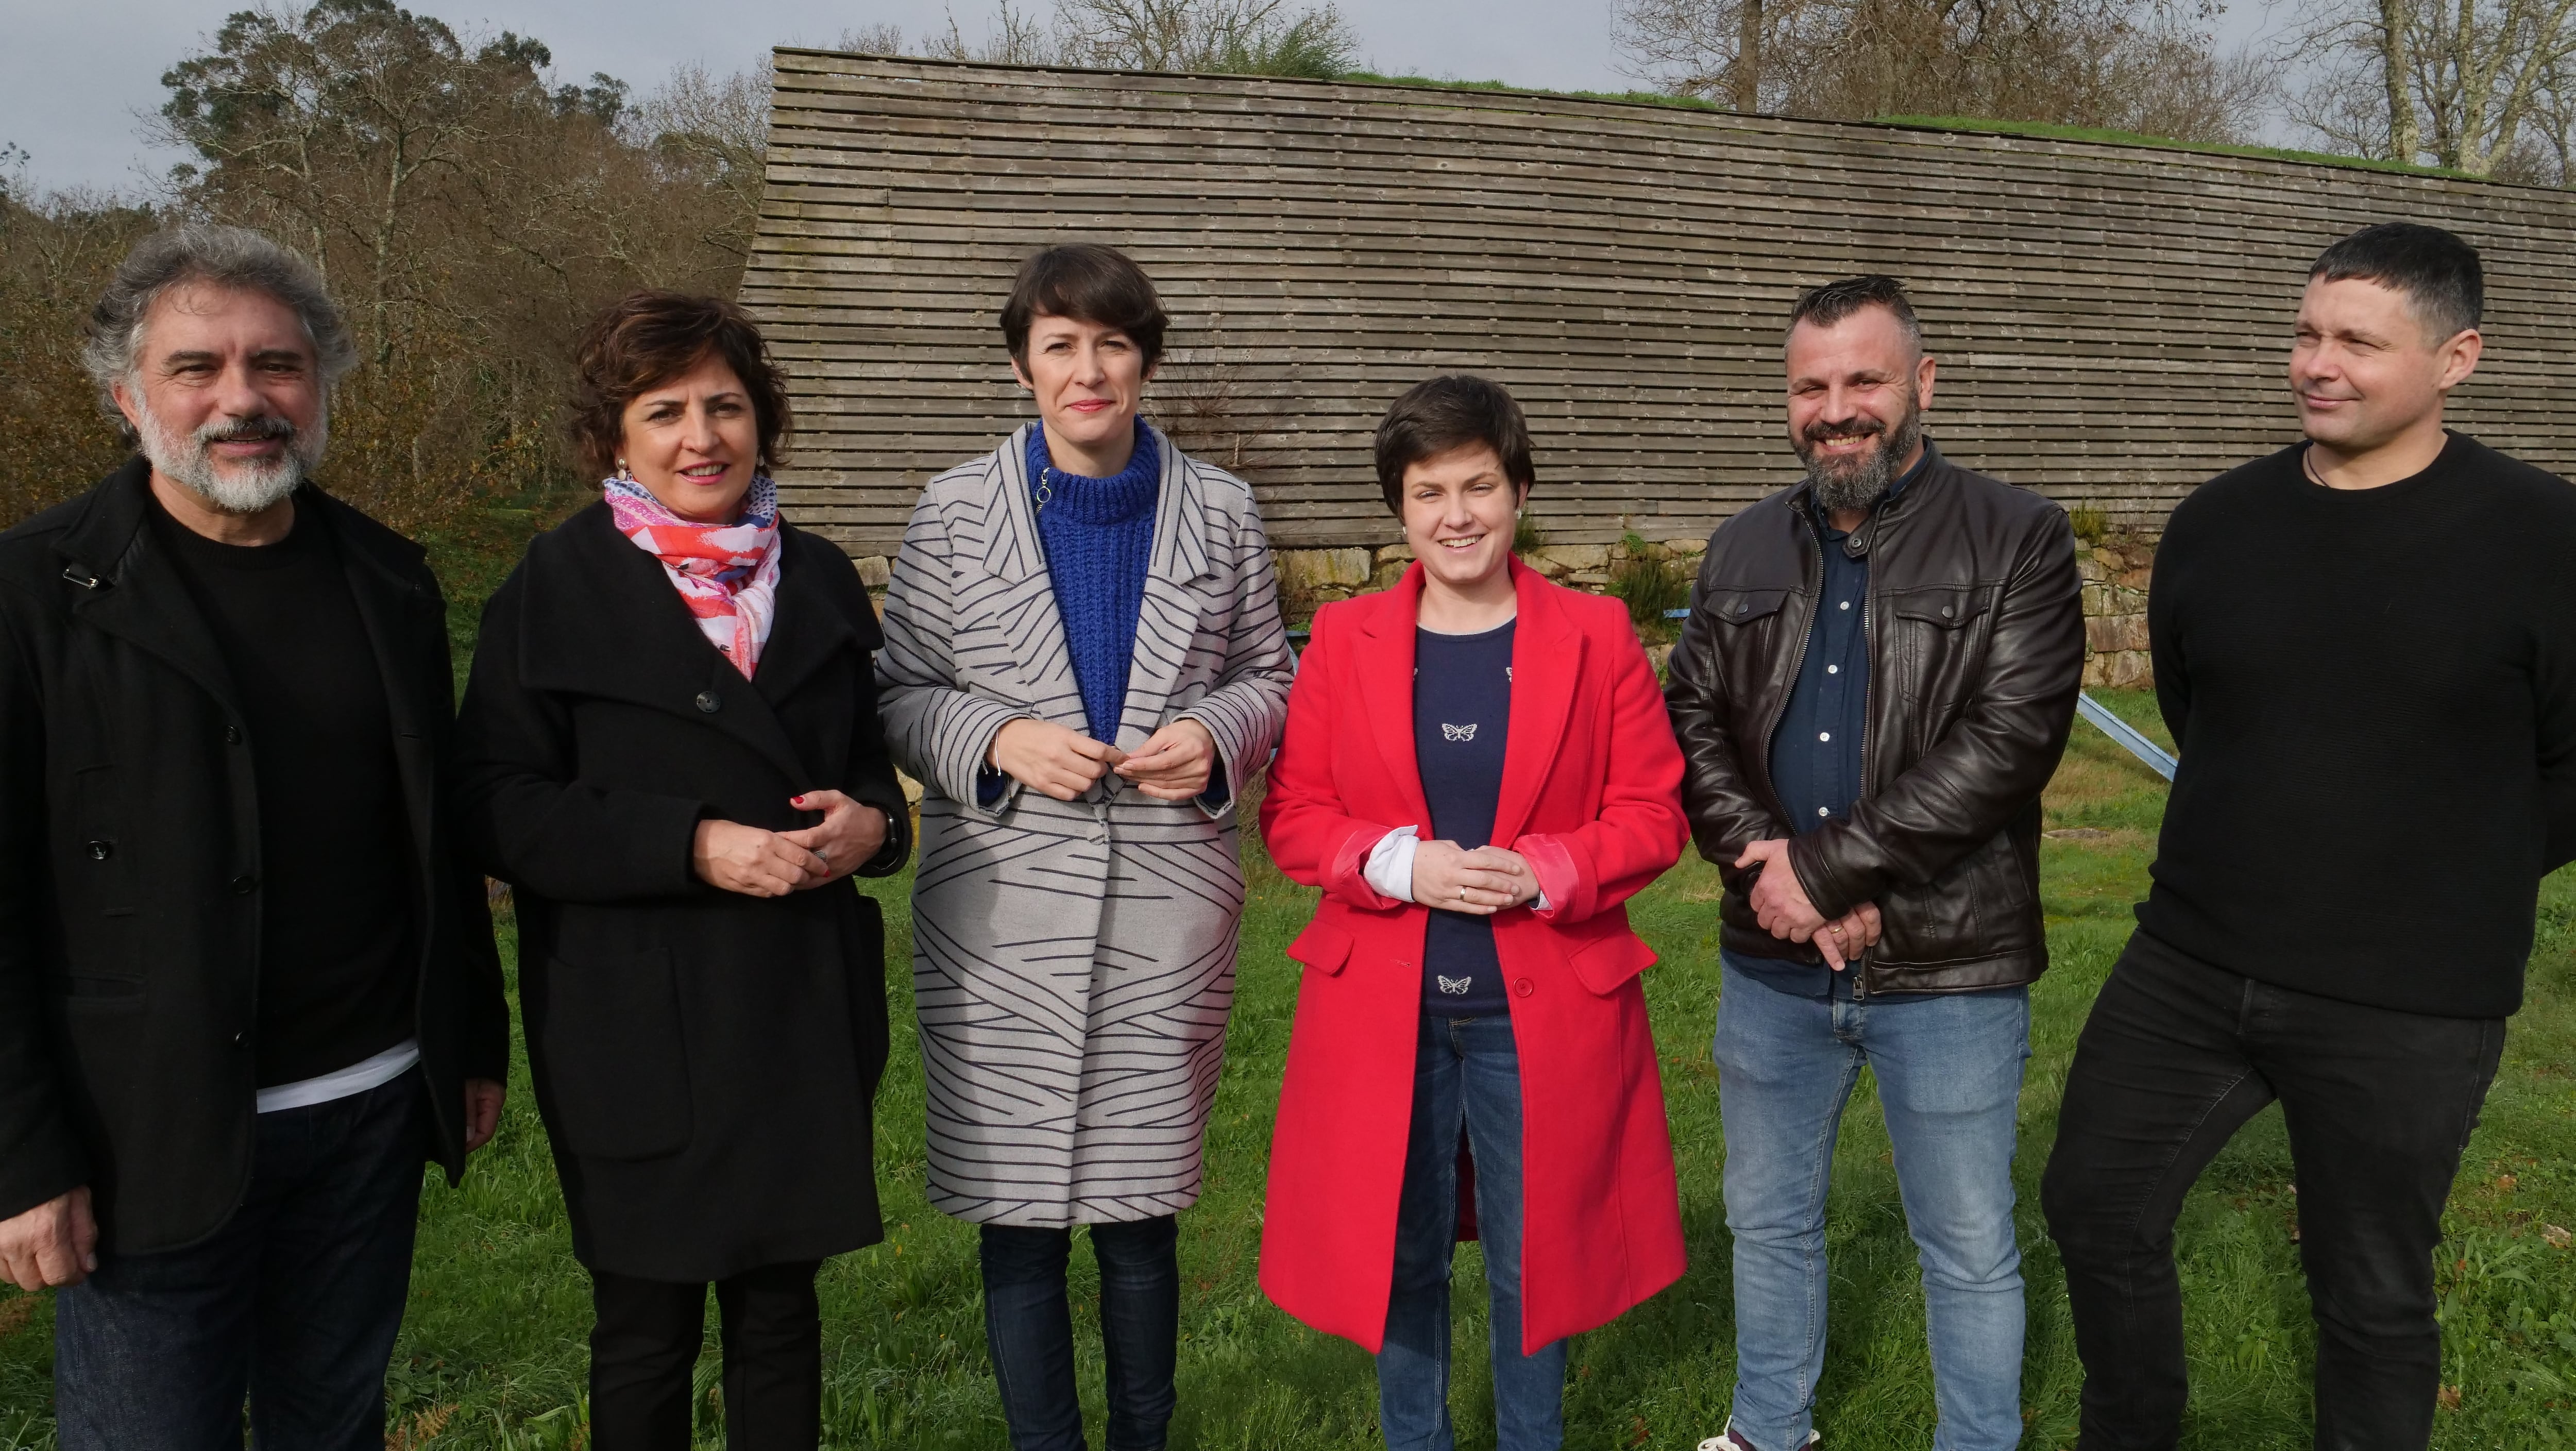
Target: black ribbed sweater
2374,692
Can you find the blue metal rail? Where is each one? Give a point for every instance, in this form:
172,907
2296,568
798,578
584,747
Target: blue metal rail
2127,735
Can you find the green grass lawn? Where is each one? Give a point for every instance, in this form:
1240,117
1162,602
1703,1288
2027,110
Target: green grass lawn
492,1354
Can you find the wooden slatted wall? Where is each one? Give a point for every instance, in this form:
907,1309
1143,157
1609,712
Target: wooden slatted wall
2111,321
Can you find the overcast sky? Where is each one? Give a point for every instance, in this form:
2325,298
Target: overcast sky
77,76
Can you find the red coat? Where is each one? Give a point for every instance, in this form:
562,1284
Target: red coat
1591,795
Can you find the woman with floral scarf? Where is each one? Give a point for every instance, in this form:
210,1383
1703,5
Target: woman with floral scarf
671,751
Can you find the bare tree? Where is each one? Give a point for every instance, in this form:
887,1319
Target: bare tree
1699,48
883,38
2444,81
2141,65
1240,37
1257,37
714,129
1012,38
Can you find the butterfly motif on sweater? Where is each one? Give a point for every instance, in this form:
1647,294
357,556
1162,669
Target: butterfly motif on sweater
1454,986
1465,732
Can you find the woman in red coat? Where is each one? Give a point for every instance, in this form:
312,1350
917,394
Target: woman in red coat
1478,773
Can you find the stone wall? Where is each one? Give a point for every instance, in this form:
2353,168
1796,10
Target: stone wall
2115,566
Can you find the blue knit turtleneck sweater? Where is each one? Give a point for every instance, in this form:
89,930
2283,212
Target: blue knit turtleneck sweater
1098,535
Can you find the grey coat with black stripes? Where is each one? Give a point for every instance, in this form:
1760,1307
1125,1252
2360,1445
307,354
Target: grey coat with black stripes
1073,962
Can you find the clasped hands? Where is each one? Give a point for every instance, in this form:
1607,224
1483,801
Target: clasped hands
762,863
1479,883
1780,902
1173,764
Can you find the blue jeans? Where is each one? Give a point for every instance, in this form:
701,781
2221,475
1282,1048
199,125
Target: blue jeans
1028,1327
293,1303
1465,1070
1949,1083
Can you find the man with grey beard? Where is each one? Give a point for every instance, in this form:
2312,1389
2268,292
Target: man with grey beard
246,984
1876,680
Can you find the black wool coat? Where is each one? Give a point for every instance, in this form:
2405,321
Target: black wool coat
130,867
704,1060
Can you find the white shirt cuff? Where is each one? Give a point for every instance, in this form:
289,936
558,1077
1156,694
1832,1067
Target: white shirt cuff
1390,865
1389,872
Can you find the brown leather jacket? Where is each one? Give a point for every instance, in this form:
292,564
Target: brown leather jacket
1976,638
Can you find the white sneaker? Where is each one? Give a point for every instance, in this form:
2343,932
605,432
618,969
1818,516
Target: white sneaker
1727,1440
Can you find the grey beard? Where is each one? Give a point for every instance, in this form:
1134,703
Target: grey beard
243,488
1860,483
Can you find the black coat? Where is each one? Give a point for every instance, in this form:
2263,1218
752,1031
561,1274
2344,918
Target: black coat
129,867
704,1060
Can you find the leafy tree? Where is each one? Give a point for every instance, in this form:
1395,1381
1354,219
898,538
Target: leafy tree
469,208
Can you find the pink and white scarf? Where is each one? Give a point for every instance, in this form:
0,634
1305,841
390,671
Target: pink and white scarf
727,574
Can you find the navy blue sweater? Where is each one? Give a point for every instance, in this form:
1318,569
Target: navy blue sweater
1462,719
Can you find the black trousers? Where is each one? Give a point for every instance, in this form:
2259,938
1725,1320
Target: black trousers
2379,1105
1028,1326
644,1348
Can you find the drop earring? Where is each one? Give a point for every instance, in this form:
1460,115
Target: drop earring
622,473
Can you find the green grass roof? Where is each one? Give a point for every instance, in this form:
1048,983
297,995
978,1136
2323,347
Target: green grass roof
2042,130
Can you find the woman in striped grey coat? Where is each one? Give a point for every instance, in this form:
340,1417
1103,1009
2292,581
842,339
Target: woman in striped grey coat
1085,666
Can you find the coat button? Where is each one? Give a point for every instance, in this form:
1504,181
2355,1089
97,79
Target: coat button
1522,986
1945,612
238,1039
708,702
232,735
245,884
100,851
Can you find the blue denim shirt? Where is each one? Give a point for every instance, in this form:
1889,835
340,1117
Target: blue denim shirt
1815,752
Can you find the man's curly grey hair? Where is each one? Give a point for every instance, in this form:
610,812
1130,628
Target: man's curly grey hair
235,258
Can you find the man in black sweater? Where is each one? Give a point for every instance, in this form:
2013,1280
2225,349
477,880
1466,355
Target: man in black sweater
247,985
2365,646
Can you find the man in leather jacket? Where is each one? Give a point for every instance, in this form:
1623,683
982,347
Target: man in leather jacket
1875,682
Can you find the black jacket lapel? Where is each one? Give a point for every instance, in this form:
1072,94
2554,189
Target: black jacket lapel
602,619
128,587
812,627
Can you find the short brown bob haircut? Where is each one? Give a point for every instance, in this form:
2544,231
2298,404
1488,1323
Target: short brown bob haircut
1088,283
1453,410
646,339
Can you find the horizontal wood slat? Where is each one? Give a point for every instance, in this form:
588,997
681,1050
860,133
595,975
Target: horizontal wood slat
2112,321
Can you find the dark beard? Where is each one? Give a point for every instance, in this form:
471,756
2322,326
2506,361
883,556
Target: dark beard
1859,483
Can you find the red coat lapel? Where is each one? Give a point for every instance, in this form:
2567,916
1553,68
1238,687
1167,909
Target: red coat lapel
1384,665
1547,660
